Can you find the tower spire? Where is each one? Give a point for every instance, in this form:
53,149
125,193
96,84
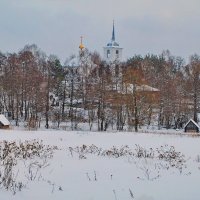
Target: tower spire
113,32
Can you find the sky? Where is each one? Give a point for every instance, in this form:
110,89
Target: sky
142,26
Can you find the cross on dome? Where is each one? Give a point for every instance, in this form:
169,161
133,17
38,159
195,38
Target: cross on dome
81,46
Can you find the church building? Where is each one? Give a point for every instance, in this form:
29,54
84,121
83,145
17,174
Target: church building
112,51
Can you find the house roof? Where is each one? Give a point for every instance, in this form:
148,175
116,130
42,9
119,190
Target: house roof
141,88
191,120
4,120
146,88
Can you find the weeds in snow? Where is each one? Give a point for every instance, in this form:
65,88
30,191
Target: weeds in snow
165,153
131,193
198,158
33,154
94,176
163,158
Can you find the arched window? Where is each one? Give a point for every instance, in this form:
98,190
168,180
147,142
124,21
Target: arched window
108,53
117,53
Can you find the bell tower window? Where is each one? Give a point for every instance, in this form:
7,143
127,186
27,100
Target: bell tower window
108,53
117,53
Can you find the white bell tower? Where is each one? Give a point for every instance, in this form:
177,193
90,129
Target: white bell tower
112,51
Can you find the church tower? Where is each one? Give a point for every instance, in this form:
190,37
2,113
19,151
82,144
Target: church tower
112,51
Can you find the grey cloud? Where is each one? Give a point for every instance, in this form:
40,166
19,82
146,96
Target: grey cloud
142,26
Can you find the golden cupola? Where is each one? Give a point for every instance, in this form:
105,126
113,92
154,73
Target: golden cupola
81,46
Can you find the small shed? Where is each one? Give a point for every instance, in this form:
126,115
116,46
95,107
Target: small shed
4,123
192,126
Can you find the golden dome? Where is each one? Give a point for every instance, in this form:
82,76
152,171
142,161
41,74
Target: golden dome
81,46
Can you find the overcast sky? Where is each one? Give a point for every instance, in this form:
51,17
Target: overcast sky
142,26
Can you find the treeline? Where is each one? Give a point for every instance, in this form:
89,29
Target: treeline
144,90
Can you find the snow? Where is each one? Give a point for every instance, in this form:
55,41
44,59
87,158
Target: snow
107,177
4,121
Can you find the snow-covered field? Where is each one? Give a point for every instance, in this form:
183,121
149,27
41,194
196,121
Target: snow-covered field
105,166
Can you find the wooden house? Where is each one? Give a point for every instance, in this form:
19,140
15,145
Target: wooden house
4,123
192,127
